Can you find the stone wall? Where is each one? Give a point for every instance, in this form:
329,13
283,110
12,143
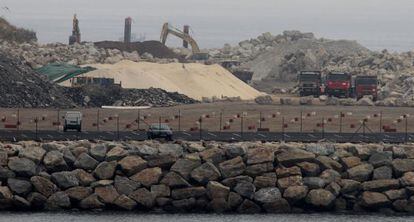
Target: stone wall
209,177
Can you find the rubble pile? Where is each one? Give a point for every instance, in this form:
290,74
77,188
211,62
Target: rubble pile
38,55
97,96
246,177
20,86
10,32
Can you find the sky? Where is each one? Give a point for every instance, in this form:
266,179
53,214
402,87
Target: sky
376,24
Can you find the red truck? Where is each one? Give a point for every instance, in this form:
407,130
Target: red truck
338,84
366,86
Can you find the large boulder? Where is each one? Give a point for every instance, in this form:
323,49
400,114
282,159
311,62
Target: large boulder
295,156
380,185
35,153
374,200
19,186
91,202
148,176
267,195
361,172
54,161
105,170
65,179
22,166
402,166
295,193
86,162
320,198
124,185
174,180
245,189
185,166
78,193
205,173
125,203
43,185
107,194
248,207
213,155
171,149
382,173
57,201
380,159
260,155
185,193
85,178
232,168
161,190
216,190
143,197
98,152
130,165
116,153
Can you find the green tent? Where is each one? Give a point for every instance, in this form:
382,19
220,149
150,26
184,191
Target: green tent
59,72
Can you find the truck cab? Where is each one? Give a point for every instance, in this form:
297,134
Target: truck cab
310,83
366,86
73,121
338,84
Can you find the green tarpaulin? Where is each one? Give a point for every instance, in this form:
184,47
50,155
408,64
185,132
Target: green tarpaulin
59,72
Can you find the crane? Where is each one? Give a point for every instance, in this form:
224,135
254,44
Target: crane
167,29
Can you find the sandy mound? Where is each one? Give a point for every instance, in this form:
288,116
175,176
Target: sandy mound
193,80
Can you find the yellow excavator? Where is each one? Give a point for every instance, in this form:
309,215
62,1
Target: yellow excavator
196,53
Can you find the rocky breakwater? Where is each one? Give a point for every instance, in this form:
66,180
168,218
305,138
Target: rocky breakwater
208,177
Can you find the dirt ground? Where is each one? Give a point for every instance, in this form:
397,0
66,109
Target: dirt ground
232,115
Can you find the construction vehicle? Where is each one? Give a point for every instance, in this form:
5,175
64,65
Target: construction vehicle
196,53
310,83
366,86
234,67
338,84
73,120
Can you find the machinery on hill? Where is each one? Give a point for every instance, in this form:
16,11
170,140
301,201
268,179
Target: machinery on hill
196,53
76,35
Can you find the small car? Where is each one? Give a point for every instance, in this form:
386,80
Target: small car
158,130
73,121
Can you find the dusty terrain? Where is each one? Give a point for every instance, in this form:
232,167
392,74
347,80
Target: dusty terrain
273,117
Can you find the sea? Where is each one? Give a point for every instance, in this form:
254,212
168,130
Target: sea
376,24
135,217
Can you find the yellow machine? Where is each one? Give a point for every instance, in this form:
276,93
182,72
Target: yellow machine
196,53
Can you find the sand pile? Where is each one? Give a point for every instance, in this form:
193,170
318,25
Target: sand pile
194,80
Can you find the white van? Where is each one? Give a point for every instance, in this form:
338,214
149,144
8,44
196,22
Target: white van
73,121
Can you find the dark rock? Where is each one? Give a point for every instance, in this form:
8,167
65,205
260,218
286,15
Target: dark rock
267,195
171,149
124,185
19,186
287,172
65,179
259,169
22,166
35,154
374,200
185,193
249,207
214,155
98,152
232,168
54,161
320,198
185,166
334,188
328,163
107,194
396,194
126,203
37,201
245,189
233,181
144,150
105,170
407,179
148,176
131,165
260,155
402,166
309,169
295,193
143,197
205,173
380,185
57,201
349,186
86,162
266,180
361,151
78,193
184,204
91,202
382,173
85,178
160,190
69,157
279,206
174,180
6,173
314,182
216,190
234,200
218,205
163,201
400,205
164,161
43,185
286,182
380,159
330,176
233,151
361,173
288,158
20,203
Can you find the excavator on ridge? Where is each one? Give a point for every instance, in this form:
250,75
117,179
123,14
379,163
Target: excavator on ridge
196,53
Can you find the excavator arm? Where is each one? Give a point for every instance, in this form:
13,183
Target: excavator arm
166,30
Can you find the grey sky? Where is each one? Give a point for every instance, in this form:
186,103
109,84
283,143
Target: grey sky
215,22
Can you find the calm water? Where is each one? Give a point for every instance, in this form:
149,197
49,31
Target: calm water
377,24
107,217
